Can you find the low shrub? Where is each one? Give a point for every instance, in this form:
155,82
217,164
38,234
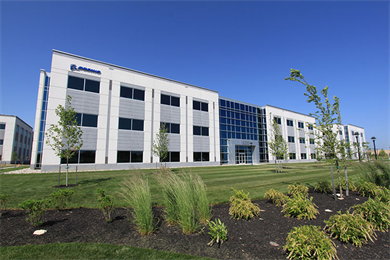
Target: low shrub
300,207
376,212
61,198
35,210
217,232
350,228
298,188
368,189
241,206
107,204
277,197
136,192
4,199
323,187
309,242
351,185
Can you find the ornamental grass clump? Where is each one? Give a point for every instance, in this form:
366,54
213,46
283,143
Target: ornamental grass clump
351,185
351,228
35,210
136,192
241,206
309,242
376,212
61,198
323,187
107,204
217,232
368,189
202,204
298,188
300,207
277,197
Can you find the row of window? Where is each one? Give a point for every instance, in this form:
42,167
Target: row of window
293,156
233,105
83,84
132,93
2,126
202,106
87,120
137,157
80,157
291,139
237,115
170,100
291,123
131,124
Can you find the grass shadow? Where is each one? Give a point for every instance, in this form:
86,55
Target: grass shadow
94,181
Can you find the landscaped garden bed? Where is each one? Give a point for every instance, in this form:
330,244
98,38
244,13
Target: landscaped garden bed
247,239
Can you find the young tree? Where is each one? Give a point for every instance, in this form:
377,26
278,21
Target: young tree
15,157
277,146
382,154
161,143
65,136
327,117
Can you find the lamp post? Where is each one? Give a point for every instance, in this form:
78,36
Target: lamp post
357,141
373,140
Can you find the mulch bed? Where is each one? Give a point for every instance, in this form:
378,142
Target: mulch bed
246,239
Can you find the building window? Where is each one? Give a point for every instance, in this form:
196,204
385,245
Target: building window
201,130
312,155
131,124
172,128
87,120
310,127
340,132
83,84
303,156
278,120
311,141
301,140
291,139
82,156
129,157
1,141
132,93
172,157
170,100
290,122
202,106
301,125
2,126
292,156
201,156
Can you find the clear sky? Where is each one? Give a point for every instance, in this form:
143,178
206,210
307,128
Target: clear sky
242,49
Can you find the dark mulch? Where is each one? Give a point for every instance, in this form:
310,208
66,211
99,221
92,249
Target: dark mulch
246,239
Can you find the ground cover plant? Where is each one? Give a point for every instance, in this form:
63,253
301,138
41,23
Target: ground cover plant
241,206
276,197
217,232
107,204
349,227
300,207
35,209
309,242
376,212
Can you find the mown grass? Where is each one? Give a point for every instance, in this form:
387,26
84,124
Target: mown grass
87,251
220,180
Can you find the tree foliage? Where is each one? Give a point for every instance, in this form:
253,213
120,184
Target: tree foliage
277,145
65,136
161,143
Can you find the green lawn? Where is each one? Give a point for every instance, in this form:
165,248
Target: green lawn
219,180
86,251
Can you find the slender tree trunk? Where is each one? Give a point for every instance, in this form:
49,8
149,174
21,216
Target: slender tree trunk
59,175
338,173
346,182
334,189
67,171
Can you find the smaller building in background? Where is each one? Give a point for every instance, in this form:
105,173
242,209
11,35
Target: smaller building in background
355,136
15,138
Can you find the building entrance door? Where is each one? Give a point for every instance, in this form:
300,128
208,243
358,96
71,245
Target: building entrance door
242,158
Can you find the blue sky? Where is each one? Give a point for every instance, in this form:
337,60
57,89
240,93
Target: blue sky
242,49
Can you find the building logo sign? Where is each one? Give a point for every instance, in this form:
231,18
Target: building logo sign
74,67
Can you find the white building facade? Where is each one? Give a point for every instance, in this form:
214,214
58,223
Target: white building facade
15,140
120,112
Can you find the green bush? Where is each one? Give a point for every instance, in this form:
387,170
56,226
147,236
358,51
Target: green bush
368,189
376,212
61,197
377,172
298,188
35,210
217,232
323,187
277,197
136,192
241,206
309,242
107,204
4,199
350,228
300,207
